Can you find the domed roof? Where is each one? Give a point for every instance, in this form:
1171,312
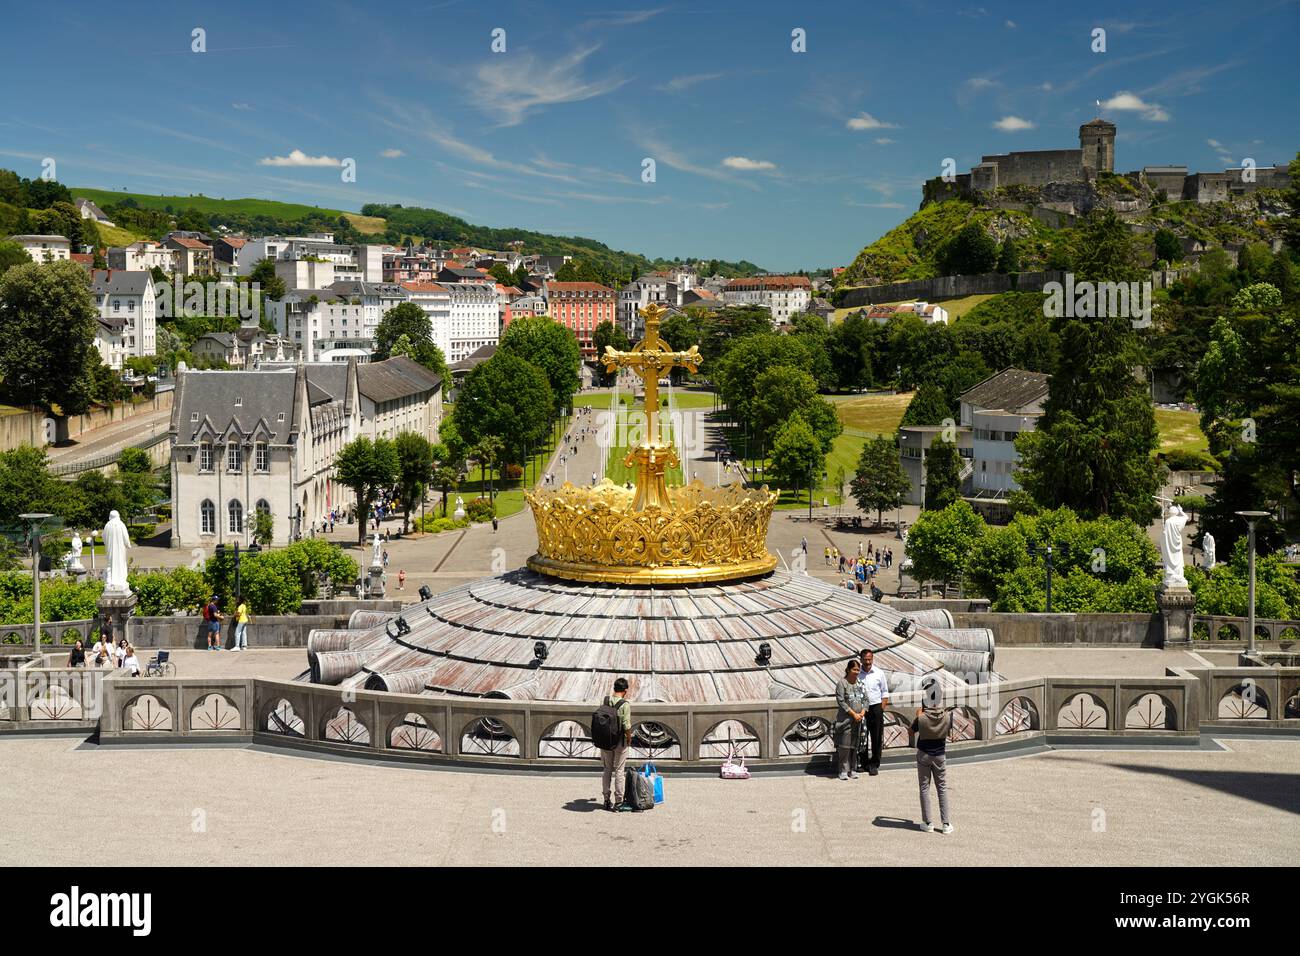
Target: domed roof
683,644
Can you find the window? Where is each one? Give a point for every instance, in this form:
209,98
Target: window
234,458
205,456
263,506
263,456
236,512
208,517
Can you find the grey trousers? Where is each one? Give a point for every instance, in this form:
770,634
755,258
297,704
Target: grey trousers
936,766
615,761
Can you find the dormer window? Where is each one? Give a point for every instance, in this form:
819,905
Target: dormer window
234,458
205,456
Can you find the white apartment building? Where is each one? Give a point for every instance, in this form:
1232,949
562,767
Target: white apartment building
45,248
784,296
639,293
127,326
361,263
475,318
337,323
996,411
435,299
142,256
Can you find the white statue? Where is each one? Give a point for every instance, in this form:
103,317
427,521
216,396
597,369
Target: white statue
377,556
459,513
1207,547
1171,545
74,558
116,541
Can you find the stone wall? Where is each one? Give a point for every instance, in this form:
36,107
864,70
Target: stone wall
28,427
1009,630
288,630
949,287
1038,168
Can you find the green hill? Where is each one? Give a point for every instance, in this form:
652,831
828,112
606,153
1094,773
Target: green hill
208,204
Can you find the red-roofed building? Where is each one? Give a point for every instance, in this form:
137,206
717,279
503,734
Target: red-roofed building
784,296
193,256
580,307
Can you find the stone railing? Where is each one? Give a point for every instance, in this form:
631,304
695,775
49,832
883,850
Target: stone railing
17,638
1222,628
35,696
1175,708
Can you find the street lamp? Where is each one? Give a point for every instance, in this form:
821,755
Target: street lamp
251,549
1047,552
36,519
1252,518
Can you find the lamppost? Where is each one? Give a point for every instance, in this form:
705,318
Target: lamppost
36,519
251,549
1047,552
1252,518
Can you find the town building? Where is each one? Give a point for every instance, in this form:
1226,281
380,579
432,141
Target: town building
265,440
45,248
246,347
89,210
399,395
580,307
996,411
193,255
928,312
435,299
127,326
142,256
783,296
638,294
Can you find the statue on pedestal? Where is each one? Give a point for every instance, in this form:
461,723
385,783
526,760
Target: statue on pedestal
1207,548
74,556
116,542
459,513
1171,545
377,555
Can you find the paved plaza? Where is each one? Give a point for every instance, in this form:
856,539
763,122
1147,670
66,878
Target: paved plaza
245,806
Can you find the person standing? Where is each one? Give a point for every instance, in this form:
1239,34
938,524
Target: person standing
848,719
617,711
401,579
241,625
77,656
875,692
213,616
931,726
803,543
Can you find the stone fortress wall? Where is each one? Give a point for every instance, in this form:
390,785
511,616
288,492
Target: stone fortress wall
1096,154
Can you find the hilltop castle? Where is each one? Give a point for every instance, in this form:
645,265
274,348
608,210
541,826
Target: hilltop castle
1096,155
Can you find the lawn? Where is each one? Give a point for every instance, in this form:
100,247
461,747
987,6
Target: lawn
209,204
956,307
682,398
1180,431
509,494
620,473
876,413
366,225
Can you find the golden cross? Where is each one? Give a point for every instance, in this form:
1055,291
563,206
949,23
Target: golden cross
649,360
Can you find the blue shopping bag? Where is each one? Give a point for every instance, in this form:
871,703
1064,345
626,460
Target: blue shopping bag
651,773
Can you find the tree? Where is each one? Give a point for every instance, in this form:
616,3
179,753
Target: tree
929,406
879,482
366,467
796,454
447,480
942,473
264,275
264,528
508,397
487,453
779,392
1167,246
411,322
26,485
1009,257
609,334
47,332
939,542
414,468
551,347
971,252
12,254
134,461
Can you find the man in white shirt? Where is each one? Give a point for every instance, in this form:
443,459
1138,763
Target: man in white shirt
875,690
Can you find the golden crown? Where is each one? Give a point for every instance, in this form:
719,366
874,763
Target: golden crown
652,533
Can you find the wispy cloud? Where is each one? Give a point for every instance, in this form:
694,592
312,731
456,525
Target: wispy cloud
513,87
680,83
298,158
241,106
1013,124
391,153
623,18
867,121
885,141
747,164
1126,102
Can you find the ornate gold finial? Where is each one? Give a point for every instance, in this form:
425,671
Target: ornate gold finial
653,534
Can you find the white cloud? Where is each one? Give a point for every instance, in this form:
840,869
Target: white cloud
1214,144
1126,102
1011,24
1012,124
514,86
744,162
867,121
680,83
298,158
241,106
1046,87
884,141
980,83
391,153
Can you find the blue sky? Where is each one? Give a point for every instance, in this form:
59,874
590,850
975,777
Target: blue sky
790,160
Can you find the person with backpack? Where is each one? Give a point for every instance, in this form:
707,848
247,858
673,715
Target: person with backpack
611,732
212,618
931,726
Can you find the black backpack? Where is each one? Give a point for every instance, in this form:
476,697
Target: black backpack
607,725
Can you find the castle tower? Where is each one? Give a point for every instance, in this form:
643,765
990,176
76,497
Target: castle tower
1097,140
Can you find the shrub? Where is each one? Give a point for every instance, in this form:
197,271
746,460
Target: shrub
1184,460
513,472
433,524
139,532
165,592
480,509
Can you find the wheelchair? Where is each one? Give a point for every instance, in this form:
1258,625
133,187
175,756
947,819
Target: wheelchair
160,666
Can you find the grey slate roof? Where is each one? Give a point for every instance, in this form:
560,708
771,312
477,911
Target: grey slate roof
211,395
475,358
1010,389
120,282
394,378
